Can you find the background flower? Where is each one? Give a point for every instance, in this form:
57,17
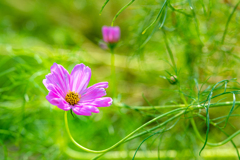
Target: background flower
111,34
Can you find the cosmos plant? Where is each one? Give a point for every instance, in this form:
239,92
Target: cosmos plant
70,92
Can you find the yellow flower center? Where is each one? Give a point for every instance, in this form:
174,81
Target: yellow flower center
72,97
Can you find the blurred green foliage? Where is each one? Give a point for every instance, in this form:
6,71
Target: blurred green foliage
34,34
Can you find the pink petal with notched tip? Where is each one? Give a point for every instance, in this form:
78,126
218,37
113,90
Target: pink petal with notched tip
59,76
102,102
80,77
62,74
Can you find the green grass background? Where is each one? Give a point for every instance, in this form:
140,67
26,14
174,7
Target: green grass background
35,34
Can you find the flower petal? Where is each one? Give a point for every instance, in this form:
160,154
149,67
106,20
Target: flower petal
80,110
86,107
110,35
95,91
59,76
116,34
103,102
55,99
98,102
80,77
98,85
55,89
105,33
92,108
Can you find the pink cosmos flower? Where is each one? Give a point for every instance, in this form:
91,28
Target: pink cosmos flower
111,34
69,91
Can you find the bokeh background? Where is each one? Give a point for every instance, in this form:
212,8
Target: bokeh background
202,35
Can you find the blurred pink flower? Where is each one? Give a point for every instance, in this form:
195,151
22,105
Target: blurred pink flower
69,91
111,34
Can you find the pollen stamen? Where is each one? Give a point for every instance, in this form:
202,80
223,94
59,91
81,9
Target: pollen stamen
72,97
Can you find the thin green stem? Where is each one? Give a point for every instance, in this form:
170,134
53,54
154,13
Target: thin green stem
196,130
98,156
183,98
122,140
220,104
180,91
113,73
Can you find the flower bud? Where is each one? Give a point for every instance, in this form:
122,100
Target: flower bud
111,34
173,79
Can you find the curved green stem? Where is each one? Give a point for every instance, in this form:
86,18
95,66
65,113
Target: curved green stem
148,131
122,140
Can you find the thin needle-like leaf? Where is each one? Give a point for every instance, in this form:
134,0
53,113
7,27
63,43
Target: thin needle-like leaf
233,105
195,20
105,3
207,113
159,13
122,9
229,18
